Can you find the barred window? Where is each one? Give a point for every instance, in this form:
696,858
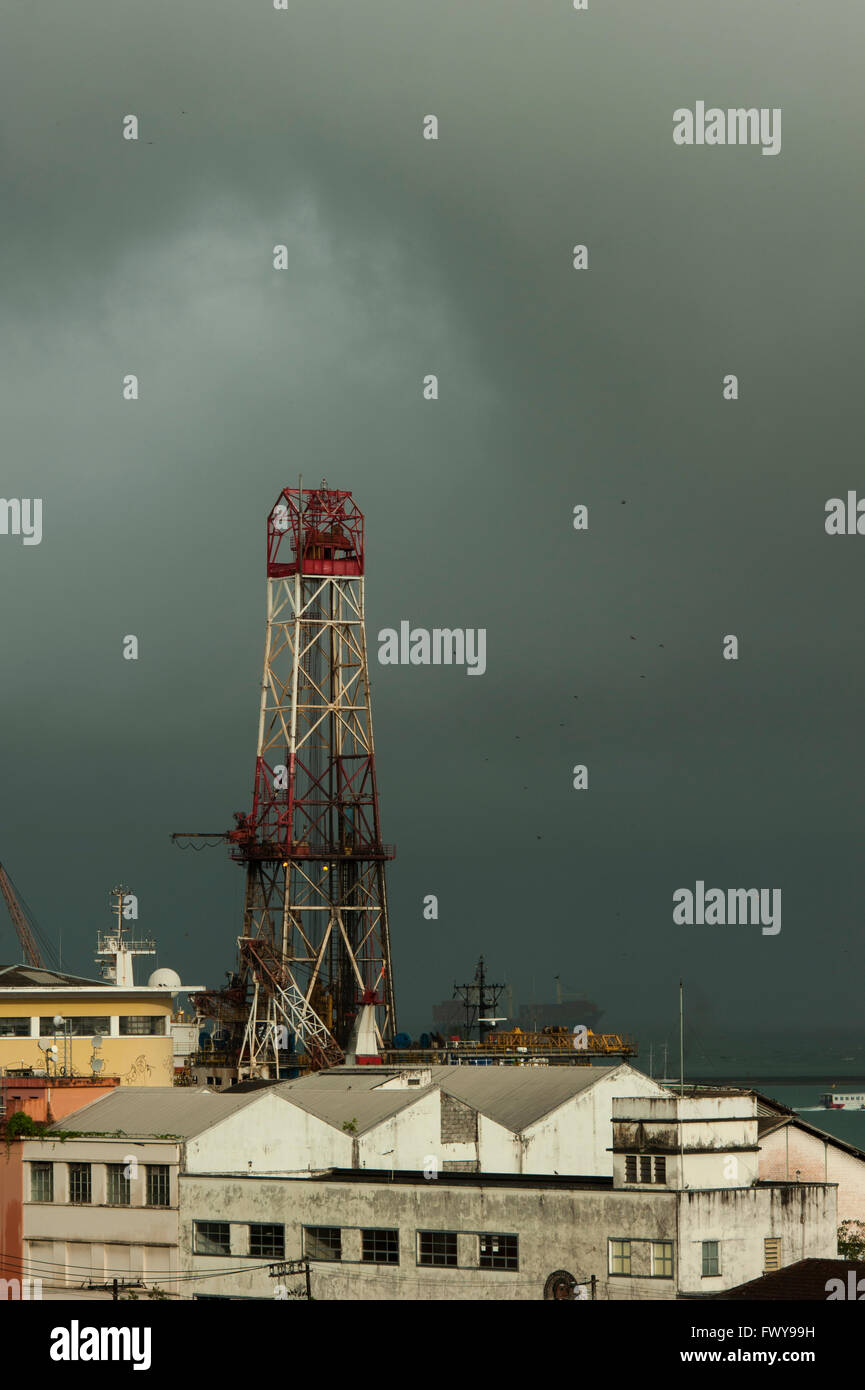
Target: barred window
118,1184
620,1256
142,1025
42,1182
711,1258
662,1259
267,1242
74,1027
380,1247
14,1028
499,1252
322,1242
660,1169
212,1238
158,1185
645,1168
438,1248
79,1182
630,1168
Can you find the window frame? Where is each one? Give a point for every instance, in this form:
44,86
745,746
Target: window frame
431,1262
312,1231
626,1255
705,1257
507,1259
198,1234
666,1246
260,1254
158,1171
114,1178
41,1169
78,1171
376,1257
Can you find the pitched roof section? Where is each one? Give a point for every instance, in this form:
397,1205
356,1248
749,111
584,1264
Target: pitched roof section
338,1100
516,1097
146,1111
805,1280
20,976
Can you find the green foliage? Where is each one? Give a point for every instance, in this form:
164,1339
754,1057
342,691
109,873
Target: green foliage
21,1126
349,1126
851,1240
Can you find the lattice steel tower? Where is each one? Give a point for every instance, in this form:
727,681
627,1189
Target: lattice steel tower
315,944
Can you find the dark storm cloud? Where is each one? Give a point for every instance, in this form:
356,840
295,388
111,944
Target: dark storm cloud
556,388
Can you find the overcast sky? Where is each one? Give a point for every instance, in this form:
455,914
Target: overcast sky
557,387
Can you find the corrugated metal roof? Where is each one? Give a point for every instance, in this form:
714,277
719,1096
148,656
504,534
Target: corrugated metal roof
516,1097
151,1110
355,1099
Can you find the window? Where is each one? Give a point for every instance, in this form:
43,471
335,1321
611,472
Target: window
438,1248
79,1182
267,1242
14,1028
42,1182
74,1027
499,1252
772,1252
620,1256
380,1247
118,1185
158,1185
662,1259
711,1258
322,1242
212,1238
650,1170
142,1025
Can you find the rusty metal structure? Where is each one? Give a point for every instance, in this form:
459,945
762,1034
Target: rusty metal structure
315,944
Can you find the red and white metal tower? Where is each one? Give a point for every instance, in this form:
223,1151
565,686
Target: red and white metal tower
315,945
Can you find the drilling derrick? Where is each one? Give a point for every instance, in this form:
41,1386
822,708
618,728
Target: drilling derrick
315,945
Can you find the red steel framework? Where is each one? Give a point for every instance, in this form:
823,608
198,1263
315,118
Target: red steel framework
315,943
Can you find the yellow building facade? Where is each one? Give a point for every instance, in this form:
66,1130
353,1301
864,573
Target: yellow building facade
49,1021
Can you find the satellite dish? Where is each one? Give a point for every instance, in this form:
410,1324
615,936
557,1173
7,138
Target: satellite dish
97,1063
58,1021
96,1042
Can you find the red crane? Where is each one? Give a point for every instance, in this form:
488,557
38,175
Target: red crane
19,921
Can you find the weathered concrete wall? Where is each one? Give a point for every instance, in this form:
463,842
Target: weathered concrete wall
790,1151
803,1216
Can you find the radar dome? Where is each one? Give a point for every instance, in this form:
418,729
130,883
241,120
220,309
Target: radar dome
163,978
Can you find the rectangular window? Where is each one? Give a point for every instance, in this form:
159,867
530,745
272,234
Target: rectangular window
711,1258
620,1256
380,1247
142,1025
499,1252
645,1168
42,1182
14,1028
662,1259
630,1168
79,1182
267,1242
322,1242
772,1252
118,1184
660,1170
212,1238
437,1248
158,1185
74,1027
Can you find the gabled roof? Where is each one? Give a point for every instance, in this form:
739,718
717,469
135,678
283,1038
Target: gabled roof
143,1112
516,1097
339,1100
766,1126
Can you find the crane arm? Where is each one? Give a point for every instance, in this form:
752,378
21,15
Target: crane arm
19,921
